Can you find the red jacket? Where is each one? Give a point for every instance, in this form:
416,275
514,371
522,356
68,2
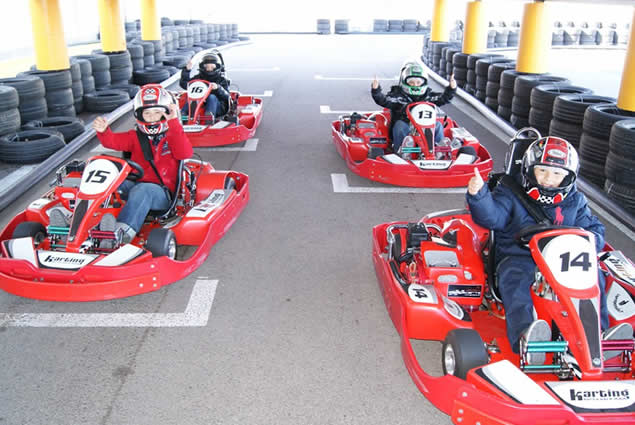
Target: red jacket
173,147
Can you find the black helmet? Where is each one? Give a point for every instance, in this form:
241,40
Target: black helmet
212,58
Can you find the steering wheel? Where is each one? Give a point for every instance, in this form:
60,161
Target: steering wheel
525,234
137,171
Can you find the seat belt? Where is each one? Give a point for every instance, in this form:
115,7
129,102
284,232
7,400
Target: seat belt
144,142
534,210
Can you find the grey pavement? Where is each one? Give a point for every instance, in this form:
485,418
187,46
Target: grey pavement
298,332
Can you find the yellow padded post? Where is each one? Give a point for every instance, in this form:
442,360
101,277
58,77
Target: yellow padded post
111,27
440,28
535,39
475,32
48,35
626,97
150,23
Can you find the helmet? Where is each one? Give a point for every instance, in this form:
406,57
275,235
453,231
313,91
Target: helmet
210,58
551,152
413,79
152,96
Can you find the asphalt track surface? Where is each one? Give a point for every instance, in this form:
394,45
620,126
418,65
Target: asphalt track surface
297,332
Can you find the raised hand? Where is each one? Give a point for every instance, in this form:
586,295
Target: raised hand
214,86
375,83
189,65
100,124
174,112
476,183
452,81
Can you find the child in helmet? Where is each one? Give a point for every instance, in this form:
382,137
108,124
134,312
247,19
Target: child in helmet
211,69
160,134
413,87
548,173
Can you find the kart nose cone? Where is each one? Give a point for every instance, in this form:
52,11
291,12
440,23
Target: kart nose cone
449,360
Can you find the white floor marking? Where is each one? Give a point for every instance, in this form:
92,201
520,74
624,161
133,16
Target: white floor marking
326,109
321,77
340,185
250,146
274,68
9,180
196,314
267,93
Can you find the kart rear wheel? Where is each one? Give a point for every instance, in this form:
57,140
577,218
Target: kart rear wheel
463,349
32,229
162,243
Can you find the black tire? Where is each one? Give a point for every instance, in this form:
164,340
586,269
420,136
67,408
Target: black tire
471,77
76,72
622,139
570,132
481,83
36,109
598,119
622,194
571,107
518,121
525,83
592,171
520,106
119,59
491,102
505,97
102,78
62,111
544,95
53,80
9,121
496,69
59,98
463,350
473,58
135,50
460,59
593,148
619,169
483,65
88,84
30,146
460,73
33,229
78,90
69,127
79,105
105,100
120,75
162,243
148,61
491,89
97,62
9,98
28,87
85,67
508,78
146,76
504,112
131,89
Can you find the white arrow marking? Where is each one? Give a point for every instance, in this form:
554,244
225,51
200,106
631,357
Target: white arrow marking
326,109
321,77
275,68
340,185
196,314
250,146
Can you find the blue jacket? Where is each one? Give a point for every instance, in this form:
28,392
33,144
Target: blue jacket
503,212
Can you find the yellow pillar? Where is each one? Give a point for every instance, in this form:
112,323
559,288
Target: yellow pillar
440,28
535,39
111,27
48,35
475,32
626,98
150,23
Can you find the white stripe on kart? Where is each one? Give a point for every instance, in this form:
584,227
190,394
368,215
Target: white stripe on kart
267,93
196,314
326,109
321,77
340,185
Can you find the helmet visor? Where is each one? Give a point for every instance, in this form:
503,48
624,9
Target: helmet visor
414,81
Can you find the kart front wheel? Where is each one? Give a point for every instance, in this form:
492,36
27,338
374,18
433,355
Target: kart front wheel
162,243
32,229
463,349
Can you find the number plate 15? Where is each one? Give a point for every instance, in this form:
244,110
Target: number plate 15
98,176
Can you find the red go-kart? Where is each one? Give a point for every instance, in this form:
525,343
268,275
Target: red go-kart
72,263
364,142
239,124
437,278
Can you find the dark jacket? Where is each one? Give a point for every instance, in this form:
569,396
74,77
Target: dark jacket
222,92
397,101
503,212
174,146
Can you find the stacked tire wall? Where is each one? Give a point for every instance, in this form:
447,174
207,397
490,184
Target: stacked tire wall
620,164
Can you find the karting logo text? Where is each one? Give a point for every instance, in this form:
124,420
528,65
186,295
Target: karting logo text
599,395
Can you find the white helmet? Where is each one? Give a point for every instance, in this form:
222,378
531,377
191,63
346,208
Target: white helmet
152,96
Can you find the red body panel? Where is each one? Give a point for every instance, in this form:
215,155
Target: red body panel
474,400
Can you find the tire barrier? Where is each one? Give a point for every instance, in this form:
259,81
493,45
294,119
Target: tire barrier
67,126
100,66
459,68
568,115
506,92
380,25
341,26
493,82
147,76
620,164
541,103
32,103
522,96
437,48
30,146
9,112
58,91
323,26
481,71
594,142
106,100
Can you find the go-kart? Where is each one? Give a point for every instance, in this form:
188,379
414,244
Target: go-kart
363,140
437,278
239,124
80,262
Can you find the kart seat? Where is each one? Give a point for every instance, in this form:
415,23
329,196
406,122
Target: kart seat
174,197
